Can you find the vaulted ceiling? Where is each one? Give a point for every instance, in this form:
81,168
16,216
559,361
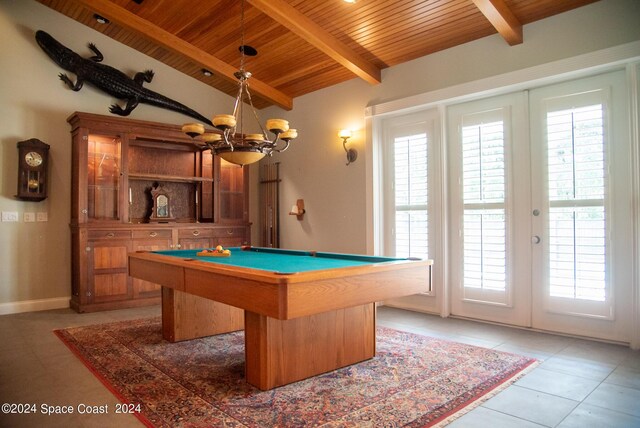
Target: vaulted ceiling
302,45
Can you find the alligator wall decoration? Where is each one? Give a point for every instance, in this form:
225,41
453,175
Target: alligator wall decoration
108,79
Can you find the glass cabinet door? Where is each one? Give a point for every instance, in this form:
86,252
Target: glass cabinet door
232,191
206,201
103,177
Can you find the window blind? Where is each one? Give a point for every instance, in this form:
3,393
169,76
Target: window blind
411,196
483,194
576,186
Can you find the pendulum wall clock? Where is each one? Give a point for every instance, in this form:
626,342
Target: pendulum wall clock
33,163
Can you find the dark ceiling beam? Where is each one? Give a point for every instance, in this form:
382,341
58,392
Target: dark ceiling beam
311,32
502,18
169,41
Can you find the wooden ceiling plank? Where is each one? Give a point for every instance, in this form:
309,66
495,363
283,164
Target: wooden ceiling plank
502,18
156,34
382,32
308,30
395,29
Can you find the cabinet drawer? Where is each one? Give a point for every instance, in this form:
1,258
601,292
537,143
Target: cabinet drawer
195,233
152,234
109,234
228,232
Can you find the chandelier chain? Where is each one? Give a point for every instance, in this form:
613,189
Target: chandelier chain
242,35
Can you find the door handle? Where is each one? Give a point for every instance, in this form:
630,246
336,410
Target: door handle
535,239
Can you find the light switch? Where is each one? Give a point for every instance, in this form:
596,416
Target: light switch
42,216
9,216
29,217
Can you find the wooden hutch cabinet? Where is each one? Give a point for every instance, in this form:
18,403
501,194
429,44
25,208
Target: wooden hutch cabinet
117,164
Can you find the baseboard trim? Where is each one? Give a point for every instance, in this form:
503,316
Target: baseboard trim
34,305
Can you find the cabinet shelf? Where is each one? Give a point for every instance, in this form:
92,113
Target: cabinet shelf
174,178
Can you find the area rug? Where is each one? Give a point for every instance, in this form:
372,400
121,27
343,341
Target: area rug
414,380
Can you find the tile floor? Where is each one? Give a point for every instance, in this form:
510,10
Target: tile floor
579,383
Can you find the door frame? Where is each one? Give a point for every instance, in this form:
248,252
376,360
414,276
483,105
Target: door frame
616,322
515,310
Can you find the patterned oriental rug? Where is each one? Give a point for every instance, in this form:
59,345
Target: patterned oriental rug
414,381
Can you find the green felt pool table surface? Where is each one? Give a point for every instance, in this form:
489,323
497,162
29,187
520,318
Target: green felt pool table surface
282,261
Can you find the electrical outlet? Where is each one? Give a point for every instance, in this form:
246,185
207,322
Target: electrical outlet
42,216
9,216
29,217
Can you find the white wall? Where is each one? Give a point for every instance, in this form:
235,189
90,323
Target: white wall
334,194
35,260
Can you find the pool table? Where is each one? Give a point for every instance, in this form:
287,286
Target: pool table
304,313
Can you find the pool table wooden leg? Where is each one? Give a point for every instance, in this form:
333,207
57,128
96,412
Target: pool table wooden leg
279,352
186,316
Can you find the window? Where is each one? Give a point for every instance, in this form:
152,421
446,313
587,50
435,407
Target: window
483,189
410,185
576,186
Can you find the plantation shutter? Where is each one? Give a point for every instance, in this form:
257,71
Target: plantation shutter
484,217
577,190
411,196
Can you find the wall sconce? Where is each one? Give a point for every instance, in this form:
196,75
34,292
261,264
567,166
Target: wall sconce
298,209
352,154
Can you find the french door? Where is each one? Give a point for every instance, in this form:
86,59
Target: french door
582,221
541,208
490,251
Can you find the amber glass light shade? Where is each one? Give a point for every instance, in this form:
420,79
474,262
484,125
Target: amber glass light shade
254,137
289,135
241,156
193,129
277,125
223,121
211,137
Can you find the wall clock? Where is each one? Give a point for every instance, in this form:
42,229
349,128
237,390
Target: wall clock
33,164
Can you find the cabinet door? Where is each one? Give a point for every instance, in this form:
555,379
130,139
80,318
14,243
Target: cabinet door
195,238
107,269
149,240
104,178
232,188
231,236
194,243
206,188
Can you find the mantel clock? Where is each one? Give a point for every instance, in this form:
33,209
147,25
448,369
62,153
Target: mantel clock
33,163
161,211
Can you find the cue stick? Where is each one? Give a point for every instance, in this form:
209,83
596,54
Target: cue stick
262,199
269,218
265,201
277,186
266,206
273,218
273,228
263,191
270,200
